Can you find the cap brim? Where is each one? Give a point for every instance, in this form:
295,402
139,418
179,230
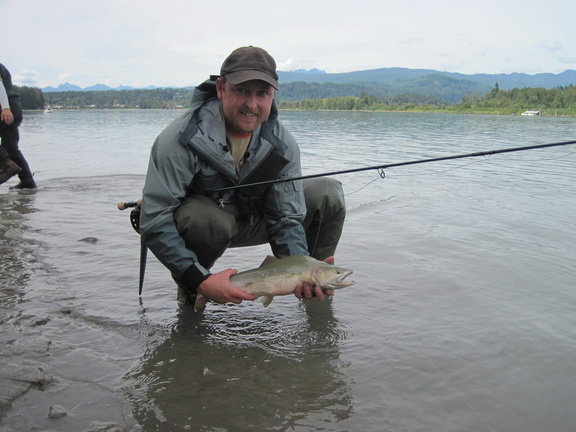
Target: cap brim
242,76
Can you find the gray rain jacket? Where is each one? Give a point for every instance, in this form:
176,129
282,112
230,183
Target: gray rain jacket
190,157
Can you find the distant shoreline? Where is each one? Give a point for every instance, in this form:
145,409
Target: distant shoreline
416,111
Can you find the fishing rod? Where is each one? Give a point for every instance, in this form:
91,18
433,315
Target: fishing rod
398,164
135,214
135,221
127,204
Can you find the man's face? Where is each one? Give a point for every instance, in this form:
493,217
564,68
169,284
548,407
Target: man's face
245,105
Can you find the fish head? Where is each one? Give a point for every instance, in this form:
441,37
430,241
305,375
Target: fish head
330,276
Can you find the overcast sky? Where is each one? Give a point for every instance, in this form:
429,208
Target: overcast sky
180,43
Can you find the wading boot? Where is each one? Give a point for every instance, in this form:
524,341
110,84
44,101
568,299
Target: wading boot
8,169
27,183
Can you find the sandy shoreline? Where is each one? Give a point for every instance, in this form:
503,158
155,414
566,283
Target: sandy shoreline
38,390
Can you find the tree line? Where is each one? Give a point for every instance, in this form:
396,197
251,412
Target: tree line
162,98
31,98
557,101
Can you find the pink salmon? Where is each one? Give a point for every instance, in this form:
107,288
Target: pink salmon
277,277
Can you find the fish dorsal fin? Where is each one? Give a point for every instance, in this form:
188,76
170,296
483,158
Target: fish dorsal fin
269,259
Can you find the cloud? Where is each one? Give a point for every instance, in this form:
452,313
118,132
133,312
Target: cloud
65,77
549,46
288,65
26,78
571,61
179,43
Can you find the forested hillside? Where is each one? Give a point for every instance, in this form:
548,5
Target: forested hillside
437,93
435,88
377,89
432,89
117,99
30,98
557,101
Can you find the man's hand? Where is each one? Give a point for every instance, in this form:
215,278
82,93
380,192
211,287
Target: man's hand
307,290
7,116
218,288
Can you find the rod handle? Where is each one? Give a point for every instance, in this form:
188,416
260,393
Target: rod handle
127,204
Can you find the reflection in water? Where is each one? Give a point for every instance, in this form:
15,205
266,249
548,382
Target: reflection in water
243,368
18,262
17,254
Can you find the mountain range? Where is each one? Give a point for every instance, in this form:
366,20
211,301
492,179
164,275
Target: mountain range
390,76
67,87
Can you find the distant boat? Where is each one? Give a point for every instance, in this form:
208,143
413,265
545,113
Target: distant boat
531,113
48,110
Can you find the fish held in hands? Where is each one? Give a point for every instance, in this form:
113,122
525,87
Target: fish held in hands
282,276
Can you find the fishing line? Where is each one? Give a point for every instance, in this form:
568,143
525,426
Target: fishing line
486,158
383,176
321,219
539,160
363,187
398,164
427,173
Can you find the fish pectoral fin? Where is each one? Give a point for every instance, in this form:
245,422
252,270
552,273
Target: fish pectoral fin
266,300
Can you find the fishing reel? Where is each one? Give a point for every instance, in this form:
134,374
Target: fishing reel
135,219
134,214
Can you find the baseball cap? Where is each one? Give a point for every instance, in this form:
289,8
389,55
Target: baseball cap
250,63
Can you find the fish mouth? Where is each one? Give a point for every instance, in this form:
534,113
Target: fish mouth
345,275
340,281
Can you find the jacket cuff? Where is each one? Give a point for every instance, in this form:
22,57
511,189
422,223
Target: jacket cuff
195,275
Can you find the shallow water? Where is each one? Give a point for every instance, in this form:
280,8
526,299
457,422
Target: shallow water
463,316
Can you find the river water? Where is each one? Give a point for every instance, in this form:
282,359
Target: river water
463,316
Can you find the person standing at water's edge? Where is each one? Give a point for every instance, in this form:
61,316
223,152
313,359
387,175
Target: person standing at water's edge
12,160
231,135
